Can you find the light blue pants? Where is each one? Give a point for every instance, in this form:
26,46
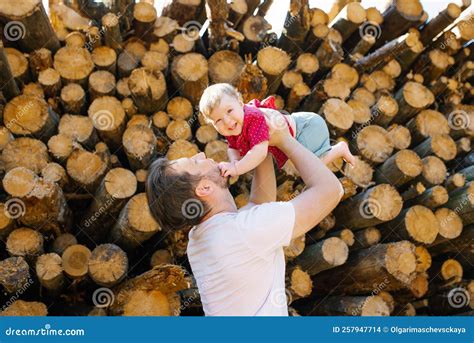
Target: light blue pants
312,132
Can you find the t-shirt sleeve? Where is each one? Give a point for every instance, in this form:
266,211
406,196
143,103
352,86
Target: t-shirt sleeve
257,130
267,227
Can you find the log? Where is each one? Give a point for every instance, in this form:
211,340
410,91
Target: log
139,143
440,22
80,70
349,20
107,265
295,28
426,124
144,16
299,284
373,144
28,25
25,308
161,257
50,80
273,62
14,274
338,115
308,65
361,173
431,198
363,95
462,202
73,98
375,205
442,146
225,66
101,83
254,29
74,261
126,63
111,27
417,223
373,305
49,271
324,255
433,173
217,13
400,136
400,168
27,115
252,84
390,266
40,60
25,152
399,16
116,188
412,98
134,224
80,129
190,76
108,117
329,53
157,288
37,202
97,166
366,238
462,243
26,243
62,242
182,11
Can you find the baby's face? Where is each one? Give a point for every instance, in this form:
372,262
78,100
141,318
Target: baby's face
228,117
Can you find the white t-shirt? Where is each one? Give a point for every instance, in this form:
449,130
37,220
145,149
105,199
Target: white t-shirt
238,262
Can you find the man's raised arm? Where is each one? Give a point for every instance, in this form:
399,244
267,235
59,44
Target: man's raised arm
323,190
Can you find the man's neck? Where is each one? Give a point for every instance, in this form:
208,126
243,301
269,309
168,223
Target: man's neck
222,204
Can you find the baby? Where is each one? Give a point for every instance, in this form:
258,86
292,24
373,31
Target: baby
248,129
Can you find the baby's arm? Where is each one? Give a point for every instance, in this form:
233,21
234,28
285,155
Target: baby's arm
250,161
234,154
252,158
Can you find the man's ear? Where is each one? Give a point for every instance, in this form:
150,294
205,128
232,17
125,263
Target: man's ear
204,188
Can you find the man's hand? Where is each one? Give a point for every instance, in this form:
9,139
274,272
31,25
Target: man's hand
228,168
277,125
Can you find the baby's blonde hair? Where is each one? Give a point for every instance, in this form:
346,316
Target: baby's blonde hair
212,95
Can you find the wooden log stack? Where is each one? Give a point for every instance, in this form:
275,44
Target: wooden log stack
86,109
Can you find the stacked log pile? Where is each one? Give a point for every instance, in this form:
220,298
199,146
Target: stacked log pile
87,107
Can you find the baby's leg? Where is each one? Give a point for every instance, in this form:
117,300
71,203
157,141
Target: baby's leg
341,149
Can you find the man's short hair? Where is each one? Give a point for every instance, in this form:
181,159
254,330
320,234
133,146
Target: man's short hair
171,197
212,95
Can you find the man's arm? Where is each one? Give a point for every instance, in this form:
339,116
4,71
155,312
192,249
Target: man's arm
323,189
263,187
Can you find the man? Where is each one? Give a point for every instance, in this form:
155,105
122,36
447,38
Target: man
236,256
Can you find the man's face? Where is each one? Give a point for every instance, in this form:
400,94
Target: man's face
228,117
200,165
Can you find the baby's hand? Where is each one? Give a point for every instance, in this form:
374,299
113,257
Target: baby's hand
228,168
